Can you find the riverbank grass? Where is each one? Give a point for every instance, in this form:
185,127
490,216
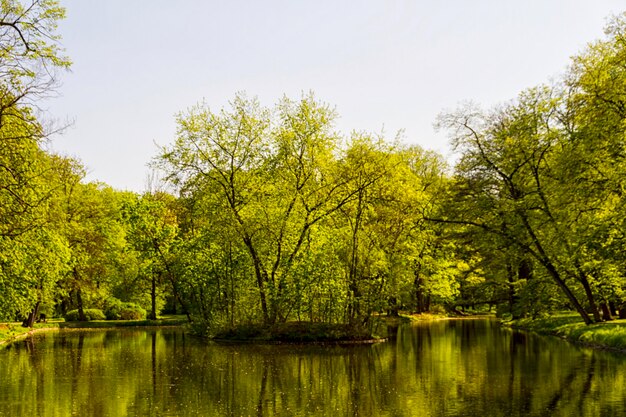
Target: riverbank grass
11,331
569,326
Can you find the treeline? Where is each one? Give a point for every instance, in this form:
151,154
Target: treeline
270,215
282,218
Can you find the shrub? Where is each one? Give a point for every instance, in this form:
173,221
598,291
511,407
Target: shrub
437,309
118,310
131,311
112,308
90,314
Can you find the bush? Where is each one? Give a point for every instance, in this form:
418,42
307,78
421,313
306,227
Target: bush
437,309
112,308
118,310
131,311
90,314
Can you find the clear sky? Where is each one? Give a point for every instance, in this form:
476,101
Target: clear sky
385,65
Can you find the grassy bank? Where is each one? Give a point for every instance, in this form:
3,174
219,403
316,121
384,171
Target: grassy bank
10,332
13,331
419,317
569,326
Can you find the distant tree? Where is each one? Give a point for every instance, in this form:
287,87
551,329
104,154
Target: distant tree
151,231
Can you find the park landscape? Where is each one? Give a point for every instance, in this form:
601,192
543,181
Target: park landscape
265,224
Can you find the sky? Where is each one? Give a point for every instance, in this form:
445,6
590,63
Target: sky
386,66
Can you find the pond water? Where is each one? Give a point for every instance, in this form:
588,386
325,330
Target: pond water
444,368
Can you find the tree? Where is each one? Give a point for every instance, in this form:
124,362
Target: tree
152,230
33,252
505,174
272,177
96,238
543,175
29,61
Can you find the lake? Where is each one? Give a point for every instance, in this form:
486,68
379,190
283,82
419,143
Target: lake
443,368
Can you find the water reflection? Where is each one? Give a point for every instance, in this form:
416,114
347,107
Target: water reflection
447,368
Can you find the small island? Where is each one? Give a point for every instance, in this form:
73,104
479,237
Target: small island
298,332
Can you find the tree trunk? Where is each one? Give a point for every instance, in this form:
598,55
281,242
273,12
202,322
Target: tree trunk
568,292
32,316
606,313
589,293
543,258
419,293
170,276
153,315
81,311
394,308
523,272
261,278
354,262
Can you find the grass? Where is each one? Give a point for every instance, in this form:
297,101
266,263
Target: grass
13,331
608,335
410,318
428,316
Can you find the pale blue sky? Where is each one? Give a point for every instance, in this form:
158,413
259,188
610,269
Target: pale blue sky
391,64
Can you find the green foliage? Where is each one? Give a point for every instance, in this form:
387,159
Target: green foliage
438,309
112,308
131,311
118,310
571,327
539,186
90,313
281,218
34,249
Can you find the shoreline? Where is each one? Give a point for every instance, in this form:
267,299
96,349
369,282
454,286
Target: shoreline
21,333
17,333
608,336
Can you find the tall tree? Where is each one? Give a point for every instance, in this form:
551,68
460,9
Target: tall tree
506,175
32,251
273,176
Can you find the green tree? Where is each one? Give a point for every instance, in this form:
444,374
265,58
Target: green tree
504,174
29,60
273,178
152,231
33,253
96,238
